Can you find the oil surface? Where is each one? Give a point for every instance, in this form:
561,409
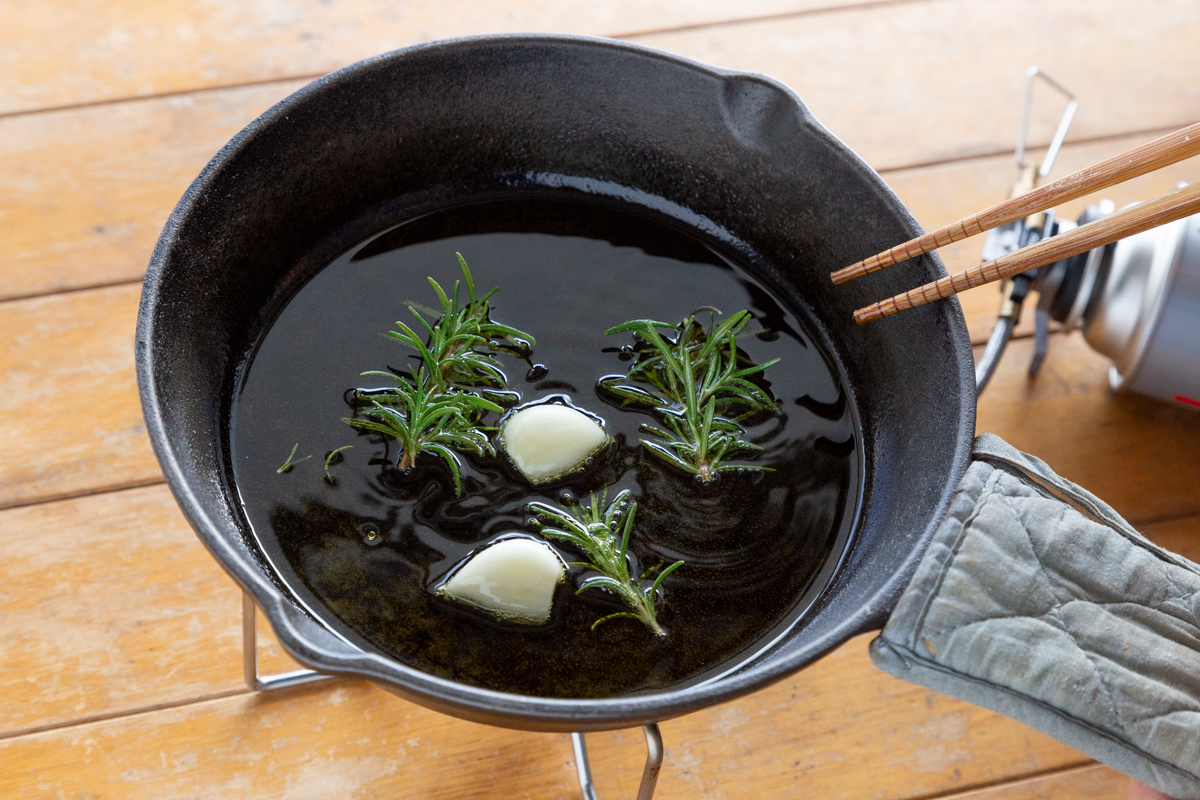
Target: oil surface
366,551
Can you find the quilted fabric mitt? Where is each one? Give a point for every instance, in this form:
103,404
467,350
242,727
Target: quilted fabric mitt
1037,600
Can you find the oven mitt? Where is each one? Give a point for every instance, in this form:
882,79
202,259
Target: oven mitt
1037,600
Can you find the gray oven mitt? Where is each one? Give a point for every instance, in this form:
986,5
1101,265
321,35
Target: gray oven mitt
1037,600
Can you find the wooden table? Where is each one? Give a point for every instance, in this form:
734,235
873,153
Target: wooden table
120,672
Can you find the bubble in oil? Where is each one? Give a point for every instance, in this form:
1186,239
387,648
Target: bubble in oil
371,534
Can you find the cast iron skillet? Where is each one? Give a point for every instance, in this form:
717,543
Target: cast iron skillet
737,156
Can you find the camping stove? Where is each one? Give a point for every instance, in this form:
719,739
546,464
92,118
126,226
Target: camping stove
1137,301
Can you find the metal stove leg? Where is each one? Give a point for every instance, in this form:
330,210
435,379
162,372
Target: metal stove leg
267,683
1041,341
654,760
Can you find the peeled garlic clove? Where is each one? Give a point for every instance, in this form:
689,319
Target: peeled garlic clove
548,440
513,579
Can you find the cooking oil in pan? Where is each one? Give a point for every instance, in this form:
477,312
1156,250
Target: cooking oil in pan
366,549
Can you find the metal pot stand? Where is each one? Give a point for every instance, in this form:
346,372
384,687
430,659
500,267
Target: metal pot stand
303,677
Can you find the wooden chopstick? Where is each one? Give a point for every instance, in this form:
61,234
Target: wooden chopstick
1183,143
1180,203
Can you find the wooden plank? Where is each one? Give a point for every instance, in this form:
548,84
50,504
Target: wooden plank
802,734
86,191
1092,782
133,614
69,413
117,50
106,566
131,533
840,729
922,82
167,631
1141,456
1181,535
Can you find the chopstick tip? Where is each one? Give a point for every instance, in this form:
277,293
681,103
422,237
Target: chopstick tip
844,274
864,267
873,311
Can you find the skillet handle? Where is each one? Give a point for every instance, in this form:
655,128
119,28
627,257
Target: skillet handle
1037,600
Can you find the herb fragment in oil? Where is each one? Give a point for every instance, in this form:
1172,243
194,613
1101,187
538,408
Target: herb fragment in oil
288,463
438,406
334,457
698,385
604,538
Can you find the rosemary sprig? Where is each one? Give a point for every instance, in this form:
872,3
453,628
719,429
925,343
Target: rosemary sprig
604,538
437,407
287,465
425,420
698,388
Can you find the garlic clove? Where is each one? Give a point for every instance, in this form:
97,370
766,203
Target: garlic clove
548,440
513,579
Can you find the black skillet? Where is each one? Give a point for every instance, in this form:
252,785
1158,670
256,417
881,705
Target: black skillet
735,155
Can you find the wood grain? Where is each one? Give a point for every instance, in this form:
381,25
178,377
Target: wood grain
1092,782
112,611
923,82
1141,456
89,189
842,702
110,51
135,614
167,632
953,89
1180,535
86,191
111,605
353,740
70,419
